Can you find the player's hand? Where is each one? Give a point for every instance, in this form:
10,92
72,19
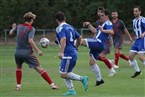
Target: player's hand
14,25
60,55
100,27
131,40
86,24
40,53
142,36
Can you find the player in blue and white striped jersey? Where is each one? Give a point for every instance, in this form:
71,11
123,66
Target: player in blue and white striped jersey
139,45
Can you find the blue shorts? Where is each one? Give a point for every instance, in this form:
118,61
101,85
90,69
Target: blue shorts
138,46
118,42
95,46
67,64
28,58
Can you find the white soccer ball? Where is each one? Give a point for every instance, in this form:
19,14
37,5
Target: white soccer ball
44,42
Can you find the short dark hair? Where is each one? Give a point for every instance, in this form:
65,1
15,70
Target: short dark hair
106,12
60,16
100,8
139,8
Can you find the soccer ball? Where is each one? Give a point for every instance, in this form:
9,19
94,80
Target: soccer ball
44,42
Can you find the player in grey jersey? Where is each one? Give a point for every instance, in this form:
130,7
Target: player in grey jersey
24,50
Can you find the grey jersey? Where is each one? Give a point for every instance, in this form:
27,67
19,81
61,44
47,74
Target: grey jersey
24,31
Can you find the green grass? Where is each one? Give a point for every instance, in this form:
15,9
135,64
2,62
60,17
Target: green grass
121,85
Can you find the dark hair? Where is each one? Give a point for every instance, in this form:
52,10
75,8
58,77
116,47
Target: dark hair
100,8
139,8
60,16
106,12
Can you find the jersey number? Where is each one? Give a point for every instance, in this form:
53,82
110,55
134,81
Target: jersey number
71,37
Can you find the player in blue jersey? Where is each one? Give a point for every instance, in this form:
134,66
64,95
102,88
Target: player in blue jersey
24,50
107,45
119,28
138,48
96,44
66,35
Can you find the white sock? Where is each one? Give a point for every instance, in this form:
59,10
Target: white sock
73,76
135,65
69,84
96,70
112,70
144,62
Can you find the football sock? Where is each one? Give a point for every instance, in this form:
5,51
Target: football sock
18,76
69,84
108,64
144,62
135,65
46,76
73,76
112,70
116,58
96,70
124,57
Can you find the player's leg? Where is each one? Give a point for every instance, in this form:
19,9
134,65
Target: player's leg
66,73
32,61
19,61
96,70
134,64
102,57
117,53
141,57
45,76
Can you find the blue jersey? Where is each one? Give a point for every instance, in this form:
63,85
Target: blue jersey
67,31
104,36
139,26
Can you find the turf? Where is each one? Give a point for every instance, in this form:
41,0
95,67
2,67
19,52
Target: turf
121,85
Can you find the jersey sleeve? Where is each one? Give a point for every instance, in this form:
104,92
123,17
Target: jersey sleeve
62,34
143,23
31,33
109,26
123,25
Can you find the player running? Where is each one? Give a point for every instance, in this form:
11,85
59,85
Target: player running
66,35
139,45
24,50
119,28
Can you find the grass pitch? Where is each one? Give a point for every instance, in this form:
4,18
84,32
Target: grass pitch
121,85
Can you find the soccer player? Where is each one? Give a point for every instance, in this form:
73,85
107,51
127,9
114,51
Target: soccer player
138,48
66,35
119,28
107,45
24,50
96,44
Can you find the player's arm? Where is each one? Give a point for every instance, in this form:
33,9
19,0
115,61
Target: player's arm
78,42
13,29
108,31
143,25
89,25
62,47
126,32
33,45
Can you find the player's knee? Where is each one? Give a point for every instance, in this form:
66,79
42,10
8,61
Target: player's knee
140,57
63,75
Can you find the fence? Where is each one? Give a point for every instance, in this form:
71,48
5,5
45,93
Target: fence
49,33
